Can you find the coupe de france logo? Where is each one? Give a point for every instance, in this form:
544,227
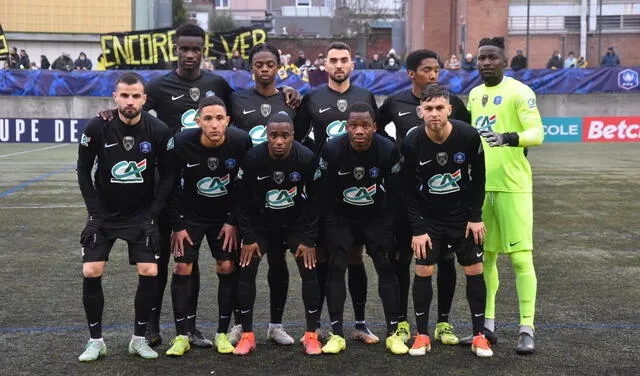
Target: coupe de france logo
628,79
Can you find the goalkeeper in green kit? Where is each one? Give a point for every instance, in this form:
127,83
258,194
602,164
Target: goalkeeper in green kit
505,113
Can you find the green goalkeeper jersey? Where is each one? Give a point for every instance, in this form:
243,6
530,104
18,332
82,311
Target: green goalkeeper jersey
509,106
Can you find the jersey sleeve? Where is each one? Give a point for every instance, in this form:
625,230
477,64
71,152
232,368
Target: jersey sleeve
164,140
326,181
246,145
409,185
88,150
383,117
175,198
478,179
152,101
302,124
529,116
246,178
460,111
394,178
311,208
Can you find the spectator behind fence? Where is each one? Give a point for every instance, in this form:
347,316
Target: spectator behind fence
44,62
301,59
392,65
570,61
396,60
14,59
555,62
25,62
519,61
222,63
358,62
82,63
610,59
469,63
452,63
63,63
237,62
33,66
582,62
376,63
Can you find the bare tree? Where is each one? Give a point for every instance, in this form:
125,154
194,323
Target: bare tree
356,17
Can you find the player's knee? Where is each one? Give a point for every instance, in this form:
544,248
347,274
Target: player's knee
147,269
474,269
355,255
522,262
424,270
92,269
182,268
225,267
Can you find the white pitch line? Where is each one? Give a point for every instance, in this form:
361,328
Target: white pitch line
72,206
33,150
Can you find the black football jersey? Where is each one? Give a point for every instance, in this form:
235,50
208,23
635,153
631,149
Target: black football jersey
402,110
126,156
250,111
176,99
444,183
278,192
205,186
360,184
324,110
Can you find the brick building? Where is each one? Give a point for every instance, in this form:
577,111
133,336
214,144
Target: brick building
586,27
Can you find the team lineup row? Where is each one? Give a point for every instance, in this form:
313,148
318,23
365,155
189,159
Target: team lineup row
265,185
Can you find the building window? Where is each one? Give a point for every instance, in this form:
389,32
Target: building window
303,3
222,3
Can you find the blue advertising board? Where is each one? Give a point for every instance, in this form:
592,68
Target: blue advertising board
562,129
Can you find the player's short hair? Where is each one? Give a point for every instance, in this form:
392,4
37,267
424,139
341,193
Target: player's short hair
495,41
264,47
280,117
210,101
361,107
338,46
432,91
189,30
415,58
130,78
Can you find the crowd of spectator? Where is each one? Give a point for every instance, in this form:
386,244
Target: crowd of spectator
391,62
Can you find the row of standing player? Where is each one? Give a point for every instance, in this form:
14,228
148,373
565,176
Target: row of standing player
169,96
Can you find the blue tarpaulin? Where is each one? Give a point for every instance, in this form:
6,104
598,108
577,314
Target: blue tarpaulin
542,81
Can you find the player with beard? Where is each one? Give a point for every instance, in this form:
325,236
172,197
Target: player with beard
360,174
250,109
325,111
506,115
443,193
403,110
206,160
278,211
174,97
123,202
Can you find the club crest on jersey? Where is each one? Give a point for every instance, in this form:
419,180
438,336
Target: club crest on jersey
497,100
485,99
374,172
442,158
358,173
212,163
210,93
230,164
294,177
265,109
359,196
145,147
128,172
194,93
258,134
443,184
280,199
213,186
459,158
336,128
342,105
278,177
128,142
